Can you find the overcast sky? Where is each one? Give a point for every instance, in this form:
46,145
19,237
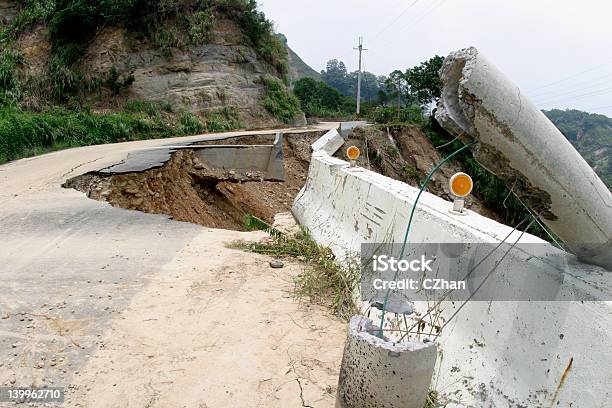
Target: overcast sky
558,51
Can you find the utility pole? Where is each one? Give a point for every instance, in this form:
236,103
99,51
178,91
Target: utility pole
361,49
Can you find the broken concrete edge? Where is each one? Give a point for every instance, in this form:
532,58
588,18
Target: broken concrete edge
329,142
365,328
215,157
518,143
376,372
335,138
522,339
149,158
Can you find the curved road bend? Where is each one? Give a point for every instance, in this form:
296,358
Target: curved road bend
130,309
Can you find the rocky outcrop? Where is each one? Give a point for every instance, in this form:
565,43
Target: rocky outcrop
224,72
199,78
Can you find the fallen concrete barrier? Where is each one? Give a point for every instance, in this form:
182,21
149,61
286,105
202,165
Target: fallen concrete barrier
518,143
495,353
376,372
329,142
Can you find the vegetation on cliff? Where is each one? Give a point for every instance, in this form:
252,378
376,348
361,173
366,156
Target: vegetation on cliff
40,110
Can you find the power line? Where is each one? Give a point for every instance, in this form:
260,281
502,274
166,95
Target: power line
421,17
601,107
577,97
573,91
598,66
578,85
414,23
395,20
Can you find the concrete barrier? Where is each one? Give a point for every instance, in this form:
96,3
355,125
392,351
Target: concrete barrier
522,146
329,142
499,354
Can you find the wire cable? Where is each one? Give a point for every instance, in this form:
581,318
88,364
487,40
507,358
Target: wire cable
485,278
598,66
395,20
467,275
424,185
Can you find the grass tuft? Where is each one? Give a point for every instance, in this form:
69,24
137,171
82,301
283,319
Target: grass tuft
324,281
433,399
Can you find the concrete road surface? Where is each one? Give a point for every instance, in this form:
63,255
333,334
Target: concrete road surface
130,309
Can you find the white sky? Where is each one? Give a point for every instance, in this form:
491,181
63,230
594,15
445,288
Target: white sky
537,43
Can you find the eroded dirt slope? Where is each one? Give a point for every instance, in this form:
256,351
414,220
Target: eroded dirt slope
185,190
407,154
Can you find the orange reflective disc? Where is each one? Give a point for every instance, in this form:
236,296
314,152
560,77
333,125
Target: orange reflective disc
353,152
461,184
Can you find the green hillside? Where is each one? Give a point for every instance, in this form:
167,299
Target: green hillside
591,135
298,69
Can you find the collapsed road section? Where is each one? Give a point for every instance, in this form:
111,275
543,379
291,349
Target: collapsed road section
215,183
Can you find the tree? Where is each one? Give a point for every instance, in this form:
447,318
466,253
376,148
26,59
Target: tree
336,76
424,80
316,97
396,84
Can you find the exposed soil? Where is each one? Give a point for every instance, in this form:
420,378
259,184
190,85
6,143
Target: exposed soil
408,155
188,191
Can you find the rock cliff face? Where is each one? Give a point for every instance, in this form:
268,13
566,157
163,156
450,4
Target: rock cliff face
224,72
200,79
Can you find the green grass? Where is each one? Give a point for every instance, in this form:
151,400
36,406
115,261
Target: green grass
201,25
323,281
24,134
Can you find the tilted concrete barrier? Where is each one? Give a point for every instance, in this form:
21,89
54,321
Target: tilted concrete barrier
522,146
329,142
500,354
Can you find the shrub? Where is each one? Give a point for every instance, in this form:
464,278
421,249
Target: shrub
10,88
388,114
320,100
116,82
34,11
223,120
190,124
165,39
280,102
201,27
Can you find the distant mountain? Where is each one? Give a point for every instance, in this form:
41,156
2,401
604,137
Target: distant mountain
591,135
297,67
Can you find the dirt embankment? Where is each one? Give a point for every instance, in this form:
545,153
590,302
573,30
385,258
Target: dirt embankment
187,191
407,154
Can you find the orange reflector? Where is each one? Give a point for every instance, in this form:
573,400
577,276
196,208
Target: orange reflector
353,152
461,185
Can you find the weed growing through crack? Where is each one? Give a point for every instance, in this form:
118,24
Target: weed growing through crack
432,400
324,281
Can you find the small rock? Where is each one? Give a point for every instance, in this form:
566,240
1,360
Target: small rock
276,264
